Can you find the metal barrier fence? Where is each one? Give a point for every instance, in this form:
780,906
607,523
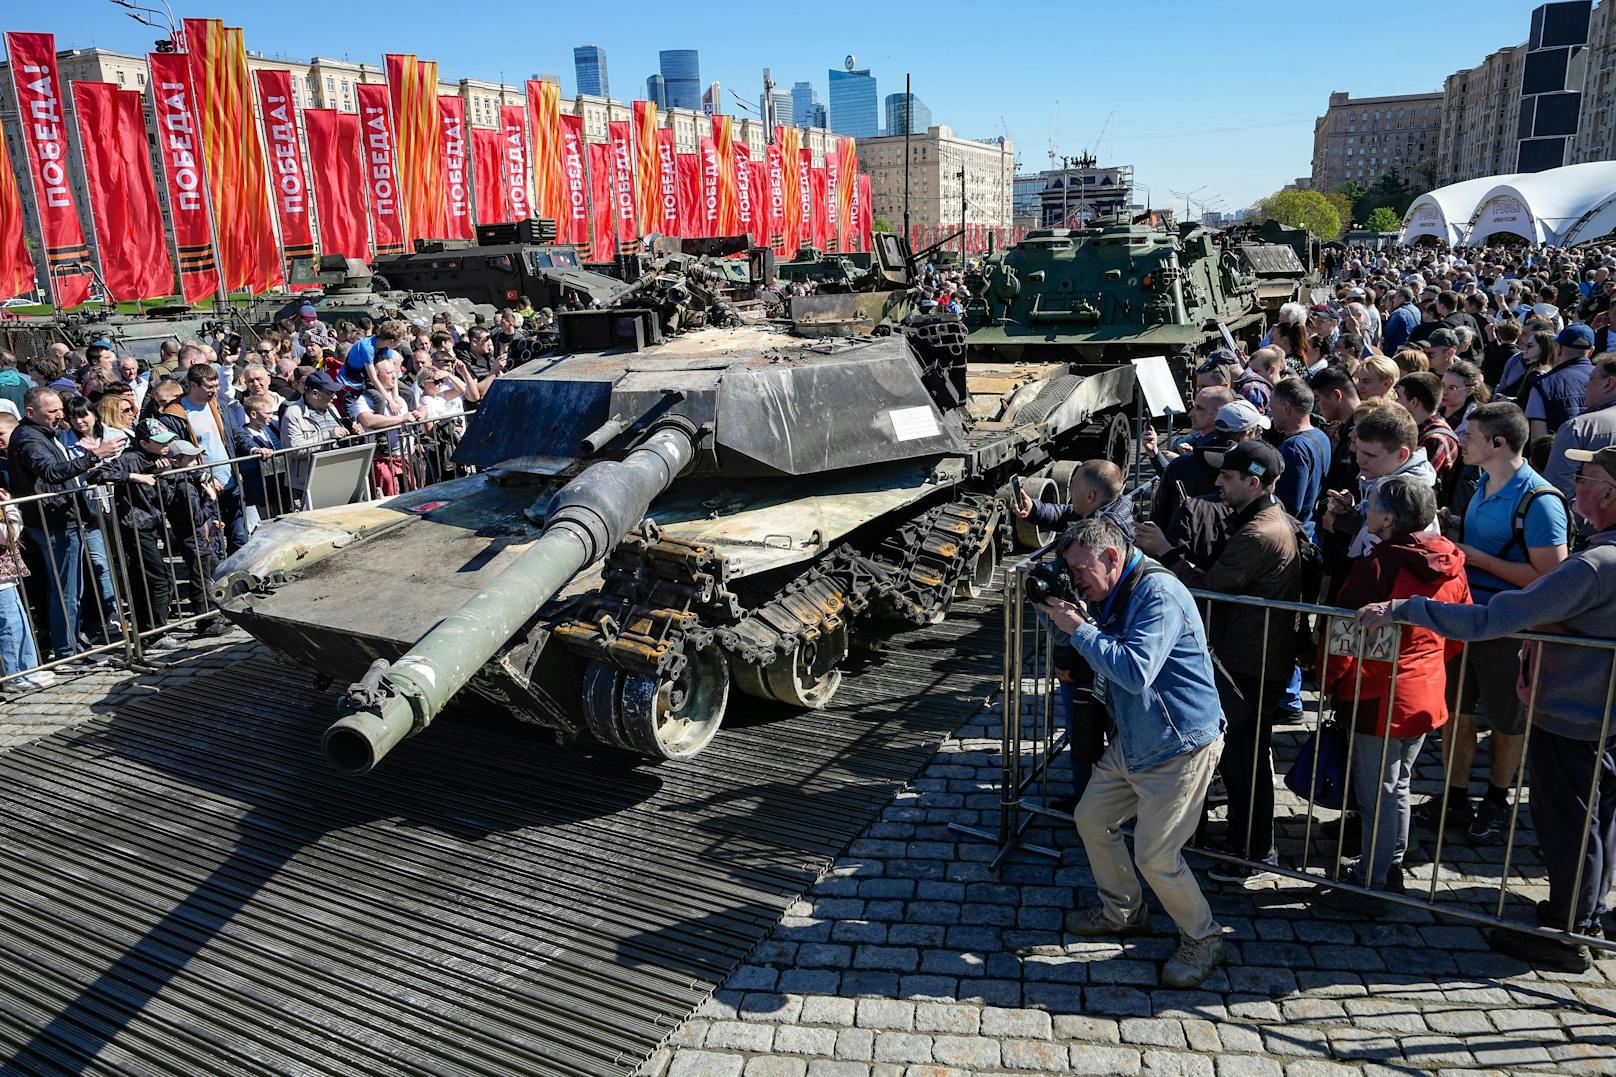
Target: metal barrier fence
1033,740
107,575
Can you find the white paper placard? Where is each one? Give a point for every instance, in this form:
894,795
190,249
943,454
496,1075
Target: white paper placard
911,424
1156,385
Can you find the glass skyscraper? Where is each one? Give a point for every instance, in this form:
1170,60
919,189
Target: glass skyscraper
681,72
853,108
803,100
657,91
590,63
919,114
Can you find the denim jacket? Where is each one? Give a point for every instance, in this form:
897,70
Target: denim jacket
1157,669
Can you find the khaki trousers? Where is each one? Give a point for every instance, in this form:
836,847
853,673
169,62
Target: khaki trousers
1166,802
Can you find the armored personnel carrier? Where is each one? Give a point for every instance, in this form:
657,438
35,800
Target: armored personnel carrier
660,525
141,335
506,263
349,290
1103,295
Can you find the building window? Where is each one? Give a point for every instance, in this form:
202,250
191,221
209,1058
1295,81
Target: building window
120,78
330,84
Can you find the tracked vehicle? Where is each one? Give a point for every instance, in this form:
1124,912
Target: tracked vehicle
1104,295
661,525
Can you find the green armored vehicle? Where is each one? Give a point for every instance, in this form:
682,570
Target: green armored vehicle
1104,295
347,290
811,265
140,335
659,526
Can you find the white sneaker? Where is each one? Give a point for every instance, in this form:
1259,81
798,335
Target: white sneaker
42,678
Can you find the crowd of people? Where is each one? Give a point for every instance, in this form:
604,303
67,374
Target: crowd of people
167,466
1431,442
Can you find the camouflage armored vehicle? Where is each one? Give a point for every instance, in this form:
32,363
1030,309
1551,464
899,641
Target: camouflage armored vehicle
349,290
1103,295
816,266
662,527
130,334
499,274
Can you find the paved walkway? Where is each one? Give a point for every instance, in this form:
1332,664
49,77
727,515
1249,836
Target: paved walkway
913,957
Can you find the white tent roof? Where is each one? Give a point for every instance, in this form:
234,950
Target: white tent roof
1545,207
1445,212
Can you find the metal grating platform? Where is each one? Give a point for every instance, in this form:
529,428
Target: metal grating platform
184,889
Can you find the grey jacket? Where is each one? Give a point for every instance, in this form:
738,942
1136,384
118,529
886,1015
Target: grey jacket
1593,429
1578,598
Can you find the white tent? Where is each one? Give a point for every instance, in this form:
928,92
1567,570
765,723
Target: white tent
1445,212
1544,207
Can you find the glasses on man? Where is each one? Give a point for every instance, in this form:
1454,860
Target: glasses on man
1580,478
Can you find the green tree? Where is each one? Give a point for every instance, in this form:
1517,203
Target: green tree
1384,219
1304,209
881,224
1342,204
1393,191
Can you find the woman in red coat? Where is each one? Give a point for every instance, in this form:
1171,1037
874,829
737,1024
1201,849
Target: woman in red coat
1407,561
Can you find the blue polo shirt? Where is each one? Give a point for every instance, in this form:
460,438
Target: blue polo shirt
1489,525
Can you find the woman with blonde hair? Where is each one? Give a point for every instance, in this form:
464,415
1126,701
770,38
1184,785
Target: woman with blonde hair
1410,360
1375,378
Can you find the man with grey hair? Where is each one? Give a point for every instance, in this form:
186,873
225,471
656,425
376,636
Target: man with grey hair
1138,629
1400,323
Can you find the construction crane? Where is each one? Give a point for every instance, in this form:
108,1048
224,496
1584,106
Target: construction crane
1104,127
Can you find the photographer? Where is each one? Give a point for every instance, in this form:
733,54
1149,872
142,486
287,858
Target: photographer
1095,491
1144,641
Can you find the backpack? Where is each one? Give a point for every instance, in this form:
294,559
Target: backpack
1517,538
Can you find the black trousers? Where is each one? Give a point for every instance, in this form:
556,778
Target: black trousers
148,578
1247,763
1562,773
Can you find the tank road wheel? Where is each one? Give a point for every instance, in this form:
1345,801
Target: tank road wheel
1117,444
806,677
1028,535
603,685
979,576
675,718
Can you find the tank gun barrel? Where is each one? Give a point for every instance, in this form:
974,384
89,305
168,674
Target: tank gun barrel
583,522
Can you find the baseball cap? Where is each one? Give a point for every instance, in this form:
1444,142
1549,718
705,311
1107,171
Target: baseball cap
154,430
1355,293
1442,338
1575,335
1605,458
1323,310
181,447
1255,457
322,381
1239,416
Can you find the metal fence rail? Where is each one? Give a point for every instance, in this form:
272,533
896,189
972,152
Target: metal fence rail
99,587
1033,742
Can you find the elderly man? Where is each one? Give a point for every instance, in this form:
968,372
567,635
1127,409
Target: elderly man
308,424
1557,394
1593,429
1142,635
36,463
1576,838
222,435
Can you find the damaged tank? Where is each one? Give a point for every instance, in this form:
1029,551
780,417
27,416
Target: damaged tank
1111,293
140,335
349,290
661,525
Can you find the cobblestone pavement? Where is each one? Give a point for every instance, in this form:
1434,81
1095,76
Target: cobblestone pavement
913,957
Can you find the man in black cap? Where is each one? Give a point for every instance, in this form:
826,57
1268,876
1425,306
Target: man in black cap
1253,648
308,424
1441,347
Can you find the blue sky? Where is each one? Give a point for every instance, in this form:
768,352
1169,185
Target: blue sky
1221,97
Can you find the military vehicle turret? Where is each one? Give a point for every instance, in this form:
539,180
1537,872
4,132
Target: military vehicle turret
1106,294
660,525
350,290
140,335
506,263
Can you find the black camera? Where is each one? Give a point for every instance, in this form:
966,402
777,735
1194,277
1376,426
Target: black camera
1045,582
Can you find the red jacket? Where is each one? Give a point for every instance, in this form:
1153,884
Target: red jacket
1425,564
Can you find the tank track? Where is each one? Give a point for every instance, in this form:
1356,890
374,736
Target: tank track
662,598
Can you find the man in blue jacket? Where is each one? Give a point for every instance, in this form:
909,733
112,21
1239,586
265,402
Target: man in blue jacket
1400,323
1142,635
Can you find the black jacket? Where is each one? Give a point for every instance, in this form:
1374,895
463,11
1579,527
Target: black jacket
36,463
140,507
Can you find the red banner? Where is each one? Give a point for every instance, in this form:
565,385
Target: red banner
647,178
288,189
831,213
742,167
456,180
544,102
811,207
513,121
665,214
487,171
863,215
123,199
759,171
628,234
336,160
44,137
381,169
818,183
573,224
236,175
689,174
775,198
412,96
847,161
600,201
180,147
709,219
789,139
16,268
